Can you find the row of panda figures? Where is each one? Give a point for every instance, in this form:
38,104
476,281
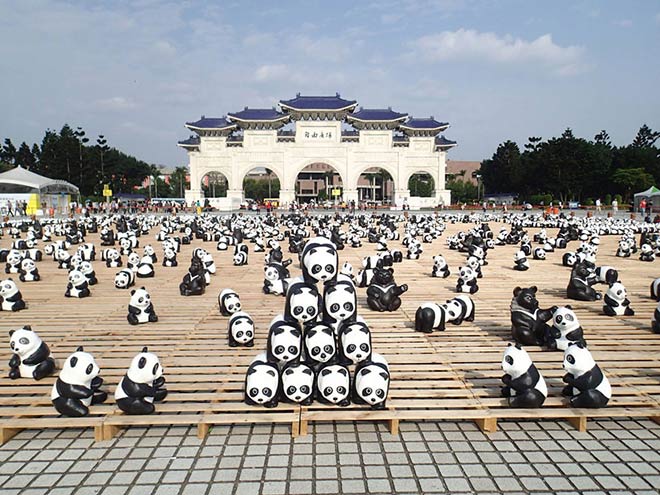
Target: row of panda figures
313,344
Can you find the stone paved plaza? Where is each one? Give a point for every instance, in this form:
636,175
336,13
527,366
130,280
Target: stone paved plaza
615,457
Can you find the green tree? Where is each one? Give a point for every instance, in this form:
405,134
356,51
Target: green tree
8,152
632,179
179,181
24,156
421,184
645,137
504,171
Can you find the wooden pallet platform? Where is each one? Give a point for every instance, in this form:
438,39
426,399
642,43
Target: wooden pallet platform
452,375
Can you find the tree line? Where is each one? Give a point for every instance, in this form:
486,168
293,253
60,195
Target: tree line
569,168
70,155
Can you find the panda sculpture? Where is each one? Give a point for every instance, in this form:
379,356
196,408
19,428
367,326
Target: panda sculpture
284,341
440,267
29,271
646,253
88,271
140,308
320,344
528,322
298,384
524,387
303,303
566,329
319,261
569,259
169,258
333,385
655,290
520,262
467,280
77,285
145,268
275,275
240,330
340,302
587,386
240,255
579,286
133,260
606,275
142,385
11,298
430,316
14,258
151,253
78,386
354,342
262,383
124,279
371,384
194,282
616,301
31,355
229,302
63,259
364,278
112,258
383,292
538,253
459,309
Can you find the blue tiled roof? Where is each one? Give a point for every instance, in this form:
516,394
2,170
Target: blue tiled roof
191,141
443,141
424,124
318,102
257,114
210,123
377,114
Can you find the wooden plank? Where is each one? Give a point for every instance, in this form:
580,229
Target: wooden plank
578,422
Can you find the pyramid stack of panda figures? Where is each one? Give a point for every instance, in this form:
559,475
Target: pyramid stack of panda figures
313,345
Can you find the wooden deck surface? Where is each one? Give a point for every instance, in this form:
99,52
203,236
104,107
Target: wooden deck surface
445,375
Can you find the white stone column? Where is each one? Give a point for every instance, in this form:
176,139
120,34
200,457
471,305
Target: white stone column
235,197
287,196
350,195
401,196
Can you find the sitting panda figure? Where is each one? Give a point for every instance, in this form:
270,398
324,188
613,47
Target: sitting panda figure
655,289
240,255
528,322
133,260
229,302
354,341
568,259
194,283
31,356
440,267
415,250
319,261
298,384
347,270
383,292
11,298
372,382
340,302
320,344
259,246
240,330
646,253
77,285
623,250
284,341
88,271
124,279
29,271
616,301
538,253
333,385
112,258
78,386
364,277
142,385
303,303
275,275
473,262
523,384
459,309
262,383
14,258
467,280
587,386
87,251
579,286
145,268
520,262
566,329
140,308
63,259
169,258
606,275
150,252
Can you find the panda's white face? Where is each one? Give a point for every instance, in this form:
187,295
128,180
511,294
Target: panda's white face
321,261
539,253
298,382
333,382
473,263
478,252
271,273
133,259
86,268
76,277
304,304
356,342
520,255
242,327
112,254
148,250
320,343
27,265
516,361
617,291
62,255
24,341
439,261
466,273
145,368
372,384
14,257
565,320
262,383
140,298
122,280
232,302
169,254
347,269
570,259
340,301
285,342
578,359
80,368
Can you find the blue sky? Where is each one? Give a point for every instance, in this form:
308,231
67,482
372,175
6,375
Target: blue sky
496,70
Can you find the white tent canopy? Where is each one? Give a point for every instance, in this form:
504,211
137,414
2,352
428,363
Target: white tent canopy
20,180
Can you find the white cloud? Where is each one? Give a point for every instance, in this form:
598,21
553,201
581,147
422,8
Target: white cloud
116,103
624,23
272,72
468,44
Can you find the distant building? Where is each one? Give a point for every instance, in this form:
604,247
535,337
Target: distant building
456,167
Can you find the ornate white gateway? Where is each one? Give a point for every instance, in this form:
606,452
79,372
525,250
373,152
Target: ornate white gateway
326,129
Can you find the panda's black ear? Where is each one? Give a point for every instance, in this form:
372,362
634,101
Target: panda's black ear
518,346
27,327
580,345
516,291
343,371
384,375
143,288
568,306
533,288
11,332
325,372
144,349
307,371
132,292
365,371
79,349
251,370
296,333
509,344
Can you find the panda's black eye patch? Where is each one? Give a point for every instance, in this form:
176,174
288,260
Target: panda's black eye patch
293,349
254,392
327,391
380,393
364,347
89,369
290,390
23,341
297,310
329,268
311,310
334,307
304,389
351,348
341,390
155,369
570,359
328,349
348,306
316,269
142,363
367,391
509,360
267,392
74,361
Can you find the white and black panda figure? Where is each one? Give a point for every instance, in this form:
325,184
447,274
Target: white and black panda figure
240,254
520,262
623,250
88,271
140,308
440,267
169,258
646,253
262,383
78,385
303,303
320,344
31,356
77,285
241,330
229,302
63,258
298,384
275,279
133,260
371,382
467,280
149,251
284,341
347,269
145,268
566,329
14,258
142,385
606,275
538,253
29,271
354,342
364,277
568,259
655,290
459,309
333,385
430,316
524,387
319,261
124,279
340,302
11,298
112,258
616,301
587,386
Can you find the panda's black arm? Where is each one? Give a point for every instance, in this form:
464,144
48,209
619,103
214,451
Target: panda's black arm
610,302
373,292
15,361
590,379
39,356
526,380
521,319
150,308
133,310
626,302
546,314
73,391
134,389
